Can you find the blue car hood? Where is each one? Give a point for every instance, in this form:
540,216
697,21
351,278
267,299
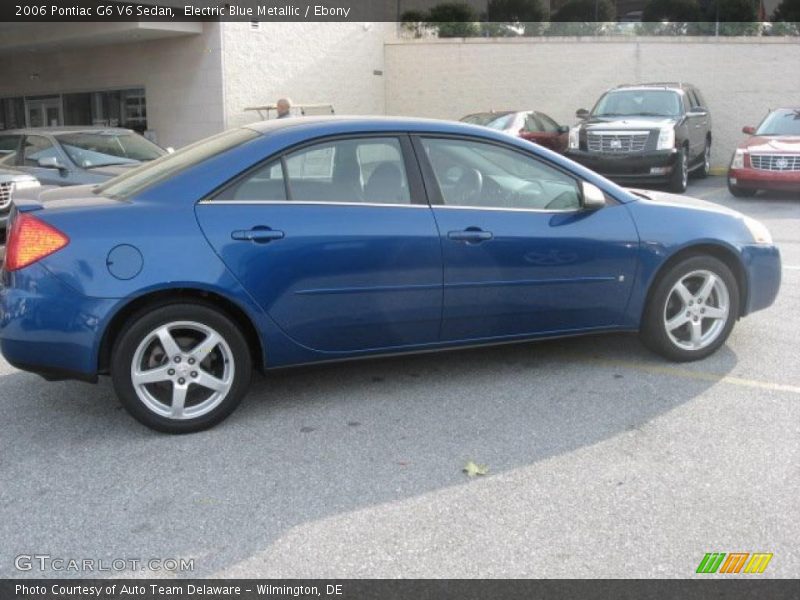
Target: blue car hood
666,199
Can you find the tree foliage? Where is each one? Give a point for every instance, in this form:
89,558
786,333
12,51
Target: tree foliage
454,19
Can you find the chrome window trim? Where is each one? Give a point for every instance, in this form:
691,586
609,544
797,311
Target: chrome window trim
312,202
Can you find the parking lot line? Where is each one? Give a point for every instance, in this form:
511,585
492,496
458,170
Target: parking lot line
696,375
792,267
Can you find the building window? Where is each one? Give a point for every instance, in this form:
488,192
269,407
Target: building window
110,108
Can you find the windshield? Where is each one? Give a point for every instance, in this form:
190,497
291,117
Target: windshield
781,122
133,182
643,103
499,121
89,149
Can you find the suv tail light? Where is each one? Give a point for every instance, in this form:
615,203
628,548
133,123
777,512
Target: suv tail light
30,240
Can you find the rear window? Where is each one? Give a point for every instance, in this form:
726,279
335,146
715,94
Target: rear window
137,180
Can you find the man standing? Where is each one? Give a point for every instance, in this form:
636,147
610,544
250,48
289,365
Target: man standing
283,106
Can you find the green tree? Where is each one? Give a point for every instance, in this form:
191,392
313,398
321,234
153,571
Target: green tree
527,15
787,18
454,19
668,17
736,17
582,17
414,22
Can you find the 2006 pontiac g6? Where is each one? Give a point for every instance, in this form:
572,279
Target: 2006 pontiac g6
305,240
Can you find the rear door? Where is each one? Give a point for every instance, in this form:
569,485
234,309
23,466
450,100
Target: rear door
520,255
336,242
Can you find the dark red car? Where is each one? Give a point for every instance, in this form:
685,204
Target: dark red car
531,125
770,158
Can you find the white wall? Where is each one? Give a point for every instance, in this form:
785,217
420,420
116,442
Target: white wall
741,78
182,77
311,63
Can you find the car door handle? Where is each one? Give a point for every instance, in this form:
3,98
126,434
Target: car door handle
470,235
260,235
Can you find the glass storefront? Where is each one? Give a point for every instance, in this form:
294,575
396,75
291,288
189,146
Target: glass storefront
108,108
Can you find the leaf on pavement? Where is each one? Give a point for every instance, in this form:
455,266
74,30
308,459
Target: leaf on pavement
472,470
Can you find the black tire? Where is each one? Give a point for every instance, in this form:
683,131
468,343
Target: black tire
705,167
231,356
679,180
740,192
654,329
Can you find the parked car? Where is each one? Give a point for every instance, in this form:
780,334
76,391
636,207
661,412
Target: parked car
770,158
302,240
530,125
645,133
10,182
73,156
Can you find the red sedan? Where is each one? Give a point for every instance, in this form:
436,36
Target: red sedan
770,158
531,125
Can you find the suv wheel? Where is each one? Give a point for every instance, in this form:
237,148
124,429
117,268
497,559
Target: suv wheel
691,310
705,169
679,180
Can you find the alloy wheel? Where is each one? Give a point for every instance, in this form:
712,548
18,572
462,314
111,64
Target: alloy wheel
182,370
697,310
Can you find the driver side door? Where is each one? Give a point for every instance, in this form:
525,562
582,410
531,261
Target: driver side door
521,257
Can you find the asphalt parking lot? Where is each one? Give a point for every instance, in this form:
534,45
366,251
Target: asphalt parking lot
604,460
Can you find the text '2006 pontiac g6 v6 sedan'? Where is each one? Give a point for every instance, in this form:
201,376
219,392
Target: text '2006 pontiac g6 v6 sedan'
306,240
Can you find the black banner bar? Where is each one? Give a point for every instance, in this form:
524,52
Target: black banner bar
383,589
282,10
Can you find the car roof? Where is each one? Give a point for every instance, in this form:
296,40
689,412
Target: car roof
64,129
676,86
347,124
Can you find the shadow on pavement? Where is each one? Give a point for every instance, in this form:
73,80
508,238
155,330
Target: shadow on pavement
81,478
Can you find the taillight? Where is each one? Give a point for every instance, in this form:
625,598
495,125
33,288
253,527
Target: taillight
30,240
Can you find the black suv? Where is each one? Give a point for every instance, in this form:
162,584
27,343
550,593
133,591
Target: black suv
649,133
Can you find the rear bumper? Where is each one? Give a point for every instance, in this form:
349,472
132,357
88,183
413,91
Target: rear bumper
762,263
628,167
788,181
48,328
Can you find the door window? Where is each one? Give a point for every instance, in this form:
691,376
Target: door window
368,170
36,148
478,174
265,184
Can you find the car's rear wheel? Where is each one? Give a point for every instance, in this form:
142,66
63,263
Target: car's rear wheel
679,180
692,309
181,367
741,192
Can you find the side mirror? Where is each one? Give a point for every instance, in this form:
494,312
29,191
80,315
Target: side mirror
51,162
563,129
749,130
582,113
593,196
698,111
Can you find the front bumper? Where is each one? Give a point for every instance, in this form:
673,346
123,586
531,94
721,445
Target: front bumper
48,328
756,179
762,264
638,166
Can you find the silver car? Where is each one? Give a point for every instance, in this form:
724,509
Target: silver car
74,156
12,182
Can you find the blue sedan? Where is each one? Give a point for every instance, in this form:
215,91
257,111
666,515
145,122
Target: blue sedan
306,240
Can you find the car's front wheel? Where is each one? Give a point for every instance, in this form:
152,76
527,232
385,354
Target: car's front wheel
692,309
180,368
